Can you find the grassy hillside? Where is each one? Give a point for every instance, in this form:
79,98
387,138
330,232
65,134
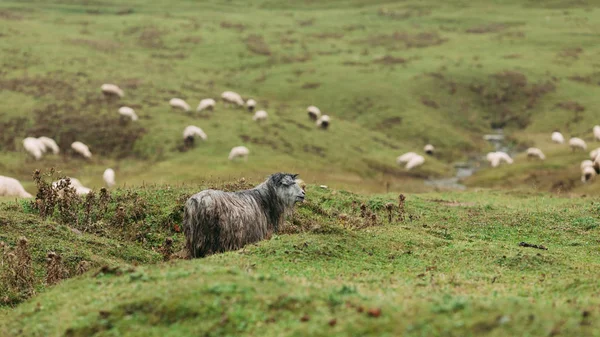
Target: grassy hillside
449,264
393,77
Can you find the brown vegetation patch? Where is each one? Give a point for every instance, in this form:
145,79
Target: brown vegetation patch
231,25
191,39
390,60
39,86
126,11
571,106
9,15
10,128
355,64
257,45
306,23
429,102
351,28
570,53
404,39
488,28
452,203
287,59
260,141
311,85
592,79
389,123
385,142
99,45
176,56
317,150
328,35
512,56
299,125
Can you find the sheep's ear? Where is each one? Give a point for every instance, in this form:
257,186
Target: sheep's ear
294,176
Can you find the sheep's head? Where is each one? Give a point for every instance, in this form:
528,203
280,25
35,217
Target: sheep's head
287,188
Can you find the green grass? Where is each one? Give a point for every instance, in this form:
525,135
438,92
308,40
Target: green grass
452,267
393,76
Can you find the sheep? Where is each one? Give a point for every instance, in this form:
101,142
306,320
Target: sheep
596,131
260,115
557,137
586,163
216,221
112,90
109,177
313,112
505,157
596,164
179,103
75,184
577,143
128,112
429,149
34,146
239,152
587,173
232,98
251,104
323,122
190,133
594,153
405,158
82,149
415,161
206,104
495,158
49,143
11,187
534,152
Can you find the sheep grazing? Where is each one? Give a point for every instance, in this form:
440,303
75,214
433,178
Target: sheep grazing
190,133
232,98
586,163
405,158
239,152
109,177
128,112
429,149
534,152
250,104
179,104
416,160
596,131
557,137
260,115
495,158
112,90
11,187
34,146
594,153
323,122
313,112
50,144
587,173
75,184
206,104
216,221
82,149
577,143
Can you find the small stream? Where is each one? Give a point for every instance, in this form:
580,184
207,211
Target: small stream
466,169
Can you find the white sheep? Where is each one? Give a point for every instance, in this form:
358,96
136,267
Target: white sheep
596,131
11,187
179,103
112,90
190,133
260,115
586,163
128,112
49,143
34,146
557,137
594,153
251,104
206,104
577,143
415,161
82,149
405,158
239,152
429,149
313,112
109,177
495,158
323,122
75,184
232,98
534,152
587,173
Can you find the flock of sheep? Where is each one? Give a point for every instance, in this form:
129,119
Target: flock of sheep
38,147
